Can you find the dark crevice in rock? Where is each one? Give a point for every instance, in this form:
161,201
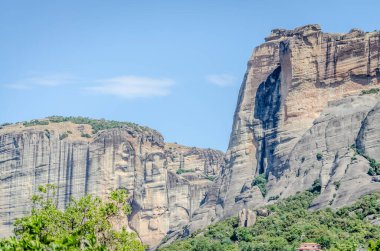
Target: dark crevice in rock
88,164
267,107
327,60
369,58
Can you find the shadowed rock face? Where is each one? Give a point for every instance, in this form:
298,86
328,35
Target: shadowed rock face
275,114
138,160
292,105
299,118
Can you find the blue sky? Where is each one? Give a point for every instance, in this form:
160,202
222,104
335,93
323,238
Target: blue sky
175,66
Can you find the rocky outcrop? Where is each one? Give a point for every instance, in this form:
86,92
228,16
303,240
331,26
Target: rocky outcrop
290,80
137,159
247,218
327,153
307,117
297,101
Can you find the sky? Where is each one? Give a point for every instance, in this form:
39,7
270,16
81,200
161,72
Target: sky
175,66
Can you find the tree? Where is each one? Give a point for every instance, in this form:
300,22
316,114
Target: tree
374,246
85,224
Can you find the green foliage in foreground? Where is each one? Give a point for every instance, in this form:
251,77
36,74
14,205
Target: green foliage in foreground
289,224
374,246
86,224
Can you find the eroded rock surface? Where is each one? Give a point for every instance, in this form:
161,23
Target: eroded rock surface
136,159
299,98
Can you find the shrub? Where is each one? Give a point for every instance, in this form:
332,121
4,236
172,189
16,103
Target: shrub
371,172
63,136
370,91
337,184
85,135
319,156
276,197
210,177
261,182
85,224
374,246
35,122
316,187
181,171
374,165
47,133
290,223
6,124
96,124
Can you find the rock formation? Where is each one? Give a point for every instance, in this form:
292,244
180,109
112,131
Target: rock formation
134,158
307,117
247,218
298,118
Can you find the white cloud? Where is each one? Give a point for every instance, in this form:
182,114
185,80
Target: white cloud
40,80
124,86
222,80
52,80
133,86
17,86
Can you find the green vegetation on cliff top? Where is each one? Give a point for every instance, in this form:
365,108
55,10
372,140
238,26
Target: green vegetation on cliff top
290,223
96,124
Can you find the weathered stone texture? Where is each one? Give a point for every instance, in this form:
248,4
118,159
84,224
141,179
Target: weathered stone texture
289,81
288,110
137,160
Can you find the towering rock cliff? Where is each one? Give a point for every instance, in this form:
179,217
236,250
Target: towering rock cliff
307,116
166,182
300,119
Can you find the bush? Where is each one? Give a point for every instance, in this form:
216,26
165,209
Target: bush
370,91
374,246
290,223
63,136
274,197
319,156
337,184
35,122
210,177
181,171
374,165
47,133
316,187
5,124
371,172
85,224
96,124
85,135
261,182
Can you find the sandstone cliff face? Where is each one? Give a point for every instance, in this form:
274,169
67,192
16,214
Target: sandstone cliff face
138,160
286,115
300,118
289,81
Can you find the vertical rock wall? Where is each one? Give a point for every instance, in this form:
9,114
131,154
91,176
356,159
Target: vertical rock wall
138,160
299,99
289,81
